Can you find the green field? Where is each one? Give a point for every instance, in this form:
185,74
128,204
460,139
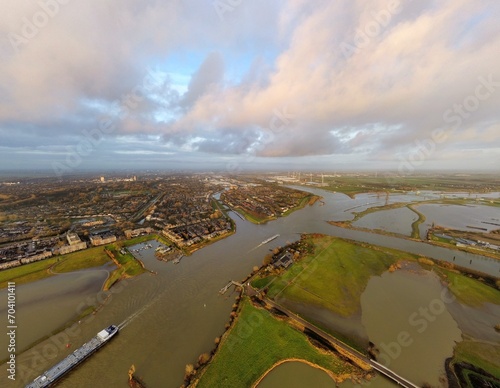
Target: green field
261,219
255,343
415,231
254,218
87,258
352,185
303,203
27,273
129,266
469,291
92,257
147,237
335,275
483,355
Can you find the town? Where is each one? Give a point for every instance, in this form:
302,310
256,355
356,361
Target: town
43,217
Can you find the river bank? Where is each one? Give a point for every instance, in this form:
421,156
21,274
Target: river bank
264,341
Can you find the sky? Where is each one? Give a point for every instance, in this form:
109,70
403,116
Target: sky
237,84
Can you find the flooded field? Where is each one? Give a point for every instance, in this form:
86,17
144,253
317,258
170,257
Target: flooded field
394,221
296,374
50,303
405,315
476,218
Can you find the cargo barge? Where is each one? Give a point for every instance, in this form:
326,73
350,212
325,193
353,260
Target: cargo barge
78,356
270,239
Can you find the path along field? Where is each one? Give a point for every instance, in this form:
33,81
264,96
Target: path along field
258,341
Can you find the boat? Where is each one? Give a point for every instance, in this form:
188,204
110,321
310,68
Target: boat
270,239
74,359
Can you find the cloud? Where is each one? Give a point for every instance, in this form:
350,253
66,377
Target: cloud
210,74
404,69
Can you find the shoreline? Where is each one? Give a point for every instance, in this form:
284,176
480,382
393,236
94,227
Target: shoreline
332,375
348,225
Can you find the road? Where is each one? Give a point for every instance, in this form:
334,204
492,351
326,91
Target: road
249,290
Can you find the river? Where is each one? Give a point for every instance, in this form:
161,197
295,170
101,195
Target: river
172,317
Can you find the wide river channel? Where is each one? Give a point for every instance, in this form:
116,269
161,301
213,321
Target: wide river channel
169,318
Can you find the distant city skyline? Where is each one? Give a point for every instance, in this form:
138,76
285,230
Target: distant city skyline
236,86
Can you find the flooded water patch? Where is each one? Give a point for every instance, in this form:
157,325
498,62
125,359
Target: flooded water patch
406,316
296,374
50,303
348,327
393,220
477,218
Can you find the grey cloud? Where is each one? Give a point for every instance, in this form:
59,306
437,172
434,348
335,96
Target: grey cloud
210,73
229,142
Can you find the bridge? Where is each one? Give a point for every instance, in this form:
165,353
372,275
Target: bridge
391,375
334,341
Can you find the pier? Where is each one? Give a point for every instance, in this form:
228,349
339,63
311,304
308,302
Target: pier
224,289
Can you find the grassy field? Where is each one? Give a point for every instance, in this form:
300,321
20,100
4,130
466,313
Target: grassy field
352,185
261,219
335,275
415,231
128,265
254,218
483,355
469,291
27,273
147,237
93,257
87,258
255,343
309,200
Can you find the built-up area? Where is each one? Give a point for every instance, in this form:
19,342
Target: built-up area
43,217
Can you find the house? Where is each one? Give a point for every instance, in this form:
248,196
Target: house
285,261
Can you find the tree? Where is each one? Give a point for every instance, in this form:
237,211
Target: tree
188,371
268,259
203,358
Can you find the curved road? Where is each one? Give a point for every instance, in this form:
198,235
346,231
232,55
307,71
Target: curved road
250,291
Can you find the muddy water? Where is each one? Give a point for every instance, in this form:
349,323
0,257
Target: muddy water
405,314
172,317
296,374
475,218
50,303
393,220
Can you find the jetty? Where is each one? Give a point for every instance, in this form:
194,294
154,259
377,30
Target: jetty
224,289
